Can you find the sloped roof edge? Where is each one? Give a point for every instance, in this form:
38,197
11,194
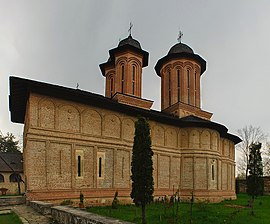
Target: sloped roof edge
20,89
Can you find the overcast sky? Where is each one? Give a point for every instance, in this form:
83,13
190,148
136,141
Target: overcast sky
63,42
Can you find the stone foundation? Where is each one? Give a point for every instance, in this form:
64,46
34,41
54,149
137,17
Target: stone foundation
12,200
42,207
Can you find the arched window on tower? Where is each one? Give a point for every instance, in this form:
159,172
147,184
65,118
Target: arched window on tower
178,85
188,86
169,86
133,79
111,86
195,88
123,77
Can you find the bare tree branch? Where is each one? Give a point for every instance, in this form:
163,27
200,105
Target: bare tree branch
249,135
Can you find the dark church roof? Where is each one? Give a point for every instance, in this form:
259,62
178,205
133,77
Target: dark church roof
126,44
130,41
180,48
21,88
11,162
179,51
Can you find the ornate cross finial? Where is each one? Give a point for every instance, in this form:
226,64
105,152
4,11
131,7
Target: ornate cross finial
180,36
130,27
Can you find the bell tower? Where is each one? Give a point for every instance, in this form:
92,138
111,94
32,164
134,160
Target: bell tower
180,71
123,73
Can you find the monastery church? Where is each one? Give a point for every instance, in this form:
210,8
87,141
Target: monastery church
77,141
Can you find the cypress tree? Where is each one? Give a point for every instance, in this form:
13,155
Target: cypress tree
142,166
254,180
255,167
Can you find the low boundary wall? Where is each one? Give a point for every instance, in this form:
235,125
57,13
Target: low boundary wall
12,200
69,215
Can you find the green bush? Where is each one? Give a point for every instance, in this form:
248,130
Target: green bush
115,201
66,202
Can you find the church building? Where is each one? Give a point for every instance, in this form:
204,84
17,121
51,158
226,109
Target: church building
77,141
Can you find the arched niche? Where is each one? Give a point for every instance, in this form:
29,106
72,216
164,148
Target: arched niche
221,146
226,145
46,114
214,141
171,137
69,118
194,139
158,135
232,152
184,139
91,122
205,139
128,129
111,127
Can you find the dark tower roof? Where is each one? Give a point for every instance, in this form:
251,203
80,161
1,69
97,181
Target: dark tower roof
127,44
179,51
180,48
130,41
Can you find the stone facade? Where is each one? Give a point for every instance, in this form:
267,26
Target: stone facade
242,185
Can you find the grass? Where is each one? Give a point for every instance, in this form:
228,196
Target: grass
229,212
10,218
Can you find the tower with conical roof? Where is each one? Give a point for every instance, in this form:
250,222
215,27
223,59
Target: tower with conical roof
123,73
180,71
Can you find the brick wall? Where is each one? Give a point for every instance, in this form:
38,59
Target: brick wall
60,131
242,185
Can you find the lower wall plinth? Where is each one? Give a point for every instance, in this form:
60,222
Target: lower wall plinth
12,200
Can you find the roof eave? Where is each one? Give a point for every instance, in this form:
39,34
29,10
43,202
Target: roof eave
17,113
169,57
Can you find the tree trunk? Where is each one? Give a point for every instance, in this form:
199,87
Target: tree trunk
19,188
143,214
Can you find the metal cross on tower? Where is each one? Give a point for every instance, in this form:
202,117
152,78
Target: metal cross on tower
130,27
180,36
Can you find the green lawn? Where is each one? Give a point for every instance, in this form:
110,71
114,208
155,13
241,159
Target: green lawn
10,218
234,212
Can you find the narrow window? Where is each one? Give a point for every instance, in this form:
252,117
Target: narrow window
169,83
213,172
123,77
60,165
111,87
99,167
123,160
188,86
195,88
133,80
79,166
178,85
